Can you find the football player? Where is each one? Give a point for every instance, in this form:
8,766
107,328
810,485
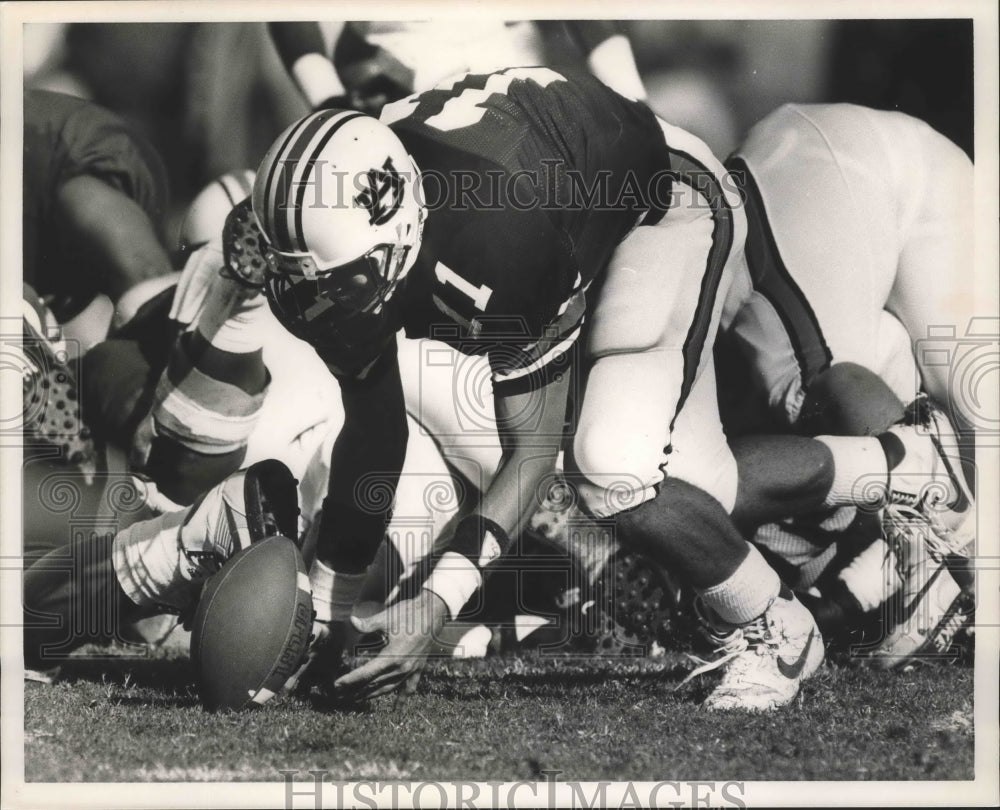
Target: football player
95,197
185,379
200,429
357,246
860,247
91,588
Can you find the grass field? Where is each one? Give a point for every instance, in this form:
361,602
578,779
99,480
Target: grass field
506,718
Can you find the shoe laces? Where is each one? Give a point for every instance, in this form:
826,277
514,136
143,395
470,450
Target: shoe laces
904,525
754,636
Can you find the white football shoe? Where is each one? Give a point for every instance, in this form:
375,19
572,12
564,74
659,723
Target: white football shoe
766,660
929,518
931,607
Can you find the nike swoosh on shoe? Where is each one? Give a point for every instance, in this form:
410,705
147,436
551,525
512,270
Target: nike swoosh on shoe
794,669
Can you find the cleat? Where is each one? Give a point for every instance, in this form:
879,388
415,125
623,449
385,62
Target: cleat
248,506
766,660
635,604
931,607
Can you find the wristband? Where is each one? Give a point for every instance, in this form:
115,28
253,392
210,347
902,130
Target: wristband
454,579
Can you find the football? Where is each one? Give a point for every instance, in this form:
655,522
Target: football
251,628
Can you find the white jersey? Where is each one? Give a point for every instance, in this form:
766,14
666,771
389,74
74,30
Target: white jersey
859,244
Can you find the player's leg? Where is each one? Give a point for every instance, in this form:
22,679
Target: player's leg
783,475
646,372
917,593
208,399
822,242
933,293
85,591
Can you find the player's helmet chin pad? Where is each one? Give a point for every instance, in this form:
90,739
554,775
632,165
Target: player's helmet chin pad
336,200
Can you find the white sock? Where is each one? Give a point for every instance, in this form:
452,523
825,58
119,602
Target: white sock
860,472
150,564
871,577
747,593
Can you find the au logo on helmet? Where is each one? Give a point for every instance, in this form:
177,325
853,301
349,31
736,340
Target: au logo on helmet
383,194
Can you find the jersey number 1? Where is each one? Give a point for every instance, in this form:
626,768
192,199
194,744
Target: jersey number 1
480,295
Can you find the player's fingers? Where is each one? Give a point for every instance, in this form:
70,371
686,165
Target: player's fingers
378,685
404,680
356,680
374,623
383,689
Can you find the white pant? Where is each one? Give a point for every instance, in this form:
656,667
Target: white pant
649,407
870,215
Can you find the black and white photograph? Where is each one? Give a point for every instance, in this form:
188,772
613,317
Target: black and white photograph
619,387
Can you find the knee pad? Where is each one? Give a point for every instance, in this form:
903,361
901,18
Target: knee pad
609,475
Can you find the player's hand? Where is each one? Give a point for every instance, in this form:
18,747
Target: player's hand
411,625
324,656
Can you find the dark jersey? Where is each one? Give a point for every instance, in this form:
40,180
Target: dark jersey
531,180
66,137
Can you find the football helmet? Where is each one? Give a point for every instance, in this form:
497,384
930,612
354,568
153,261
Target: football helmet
336,201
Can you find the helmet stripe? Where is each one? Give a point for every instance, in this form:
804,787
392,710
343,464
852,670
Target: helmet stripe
266,220
284,170
297,233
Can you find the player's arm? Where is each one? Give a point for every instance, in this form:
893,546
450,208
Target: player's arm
609,55
365,466
304,53
530,426
112,236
